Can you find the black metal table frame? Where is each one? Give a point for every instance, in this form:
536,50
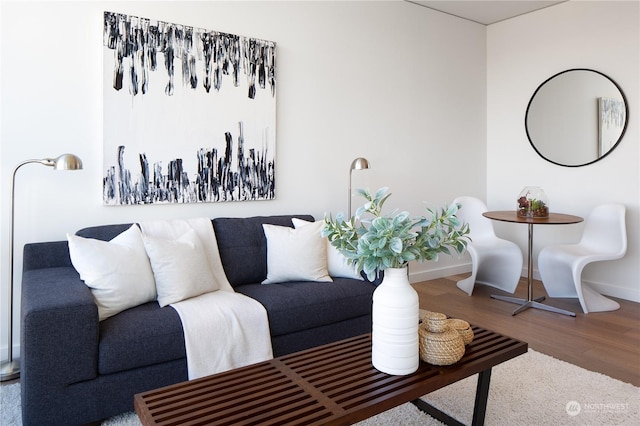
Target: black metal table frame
479,408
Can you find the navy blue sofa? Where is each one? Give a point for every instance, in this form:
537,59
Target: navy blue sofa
77,370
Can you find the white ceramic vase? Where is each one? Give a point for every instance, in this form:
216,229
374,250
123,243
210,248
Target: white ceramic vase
394,335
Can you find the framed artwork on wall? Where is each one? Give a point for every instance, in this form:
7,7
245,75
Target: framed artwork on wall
189,114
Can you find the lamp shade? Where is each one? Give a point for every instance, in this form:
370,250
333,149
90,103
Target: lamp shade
67,162
359,164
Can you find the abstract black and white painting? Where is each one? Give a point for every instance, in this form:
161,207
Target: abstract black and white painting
189,114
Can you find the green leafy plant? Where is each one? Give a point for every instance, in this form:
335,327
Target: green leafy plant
374,242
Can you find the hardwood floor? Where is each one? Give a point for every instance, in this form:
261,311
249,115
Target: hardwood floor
605,342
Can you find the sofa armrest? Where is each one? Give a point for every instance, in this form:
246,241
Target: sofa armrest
45,255
59,328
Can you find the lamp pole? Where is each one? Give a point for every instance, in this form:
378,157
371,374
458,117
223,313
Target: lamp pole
357,164
10,369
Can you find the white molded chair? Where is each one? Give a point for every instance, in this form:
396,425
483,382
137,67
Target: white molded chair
494,262
604,238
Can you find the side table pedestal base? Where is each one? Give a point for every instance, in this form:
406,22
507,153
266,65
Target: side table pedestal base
535,303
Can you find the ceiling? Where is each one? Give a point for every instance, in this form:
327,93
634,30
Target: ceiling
485,12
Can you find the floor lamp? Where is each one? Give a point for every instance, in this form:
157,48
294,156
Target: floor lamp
357,164
10,369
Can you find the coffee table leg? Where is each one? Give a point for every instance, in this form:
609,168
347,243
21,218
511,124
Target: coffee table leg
479,409
429,409
482,394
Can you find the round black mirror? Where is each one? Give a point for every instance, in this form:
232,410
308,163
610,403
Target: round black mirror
576,117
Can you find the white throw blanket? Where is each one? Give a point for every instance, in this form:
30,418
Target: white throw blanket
223,329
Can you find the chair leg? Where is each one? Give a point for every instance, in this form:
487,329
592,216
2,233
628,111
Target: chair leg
467,284
592,301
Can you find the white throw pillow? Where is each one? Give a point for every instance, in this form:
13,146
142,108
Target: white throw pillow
336,262
180,267
117,271
295,254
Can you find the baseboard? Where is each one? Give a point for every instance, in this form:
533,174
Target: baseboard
630,294
432,274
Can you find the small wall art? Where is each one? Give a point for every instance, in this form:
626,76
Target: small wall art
189,114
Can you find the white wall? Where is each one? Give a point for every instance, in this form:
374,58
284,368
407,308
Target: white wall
396,83
522,53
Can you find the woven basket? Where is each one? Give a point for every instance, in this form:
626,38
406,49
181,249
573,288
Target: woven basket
444,348
435,322
462,327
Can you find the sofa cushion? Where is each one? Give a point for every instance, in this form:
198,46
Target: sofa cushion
299,305
117,271
140,336
337,264
180,267
243,246
295,254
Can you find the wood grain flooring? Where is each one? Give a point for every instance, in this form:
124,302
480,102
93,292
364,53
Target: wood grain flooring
605,342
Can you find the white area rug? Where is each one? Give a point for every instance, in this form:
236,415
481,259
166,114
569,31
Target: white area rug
532,389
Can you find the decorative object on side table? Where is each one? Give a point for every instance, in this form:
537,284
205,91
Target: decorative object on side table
388,243
532,202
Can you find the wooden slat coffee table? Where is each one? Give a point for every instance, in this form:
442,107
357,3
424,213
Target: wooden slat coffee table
333,384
